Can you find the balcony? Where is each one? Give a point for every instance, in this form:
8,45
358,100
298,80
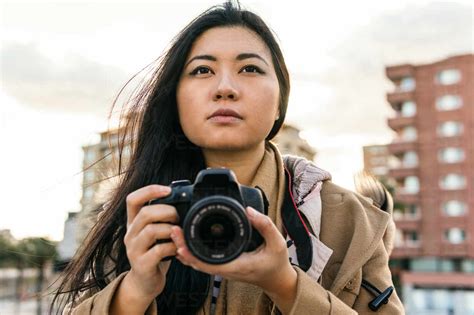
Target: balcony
395,73
402,172
399,146
405,252
398,97
454,250
408,223
405,197
439,279
399,122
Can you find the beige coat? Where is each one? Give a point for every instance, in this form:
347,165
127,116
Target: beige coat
353,228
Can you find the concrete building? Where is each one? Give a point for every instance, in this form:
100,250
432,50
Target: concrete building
100,165
289,141
376,160
434,176
68,245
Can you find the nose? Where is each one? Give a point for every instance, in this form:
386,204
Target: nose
226,89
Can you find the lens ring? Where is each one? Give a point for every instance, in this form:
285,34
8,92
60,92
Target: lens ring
226,207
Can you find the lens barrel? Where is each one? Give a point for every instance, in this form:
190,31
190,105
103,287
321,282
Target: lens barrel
216,229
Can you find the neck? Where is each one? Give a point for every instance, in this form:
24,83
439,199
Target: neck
243,163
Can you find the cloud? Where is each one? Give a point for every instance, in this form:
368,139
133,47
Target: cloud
72,83
415,34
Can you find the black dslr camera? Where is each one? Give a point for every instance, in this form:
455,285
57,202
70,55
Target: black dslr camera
212,214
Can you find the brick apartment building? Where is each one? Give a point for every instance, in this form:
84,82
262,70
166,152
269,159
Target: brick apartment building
433,172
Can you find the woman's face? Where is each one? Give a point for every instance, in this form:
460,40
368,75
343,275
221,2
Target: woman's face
228,92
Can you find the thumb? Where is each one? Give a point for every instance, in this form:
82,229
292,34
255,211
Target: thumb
264,225
164,266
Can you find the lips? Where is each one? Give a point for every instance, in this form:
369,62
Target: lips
226,112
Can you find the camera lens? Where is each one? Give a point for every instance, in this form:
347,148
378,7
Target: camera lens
216,232
216,229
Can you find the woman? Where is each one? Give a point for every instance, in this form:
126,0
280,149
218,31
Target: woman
217,98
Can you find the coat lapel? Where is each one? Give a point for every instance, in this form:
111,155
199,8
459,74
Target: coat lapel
355,218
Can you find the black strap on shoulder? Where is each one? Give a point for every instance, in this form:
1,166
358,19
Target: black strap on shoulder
295,227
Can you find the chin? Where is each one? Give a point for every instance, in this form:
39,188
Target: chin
226,144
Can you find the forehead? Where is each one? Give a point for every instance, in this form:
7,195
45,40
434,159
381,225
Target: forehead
229,41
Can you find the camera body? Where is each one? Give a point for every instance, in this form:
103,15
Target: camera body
212,214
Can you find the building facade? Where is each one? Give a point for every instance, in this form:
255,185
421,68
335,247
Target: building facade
100,169
67,247
289,141
376,160
433,175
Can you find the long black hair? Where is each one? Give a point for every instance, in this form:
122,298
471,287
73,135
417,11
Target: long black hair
160,153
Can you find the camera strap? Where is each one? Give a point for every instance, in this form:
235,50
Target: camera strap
295,226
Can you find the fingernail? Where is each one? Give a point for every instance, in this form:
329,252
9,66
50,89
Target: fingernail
180,251
174,230
251,212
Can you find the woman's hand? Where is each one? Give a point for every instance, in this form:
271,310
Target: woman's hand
267,267
147,276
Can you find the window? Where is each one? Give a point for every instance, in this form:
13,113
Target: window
448,102
452,181
451,155
108,156
380,149
455,235
127,152
412,185
379,160
454,208
398,240
112,139
448,76
412,238
380,170
394,162
90,156
410,159
408,109
409,133
89,175
450,128
88,193
407,84
467,265
412,211
446,265
398,214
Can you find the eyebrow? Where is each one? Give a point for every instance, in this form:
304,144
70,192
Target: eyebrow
242,56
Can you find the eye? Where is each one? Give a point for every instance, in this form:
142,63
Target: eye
251,69
200,70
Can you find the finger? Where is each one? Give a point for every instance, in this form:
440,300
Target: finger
264,225
156,254
139,197
185,255
150,234
151,214
187,258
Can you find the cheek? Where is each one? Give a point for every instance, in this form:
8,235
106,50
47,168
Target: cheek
268,98
186,107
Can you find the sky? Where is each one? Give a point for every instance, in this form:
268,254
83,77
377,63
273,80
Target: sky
63,62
